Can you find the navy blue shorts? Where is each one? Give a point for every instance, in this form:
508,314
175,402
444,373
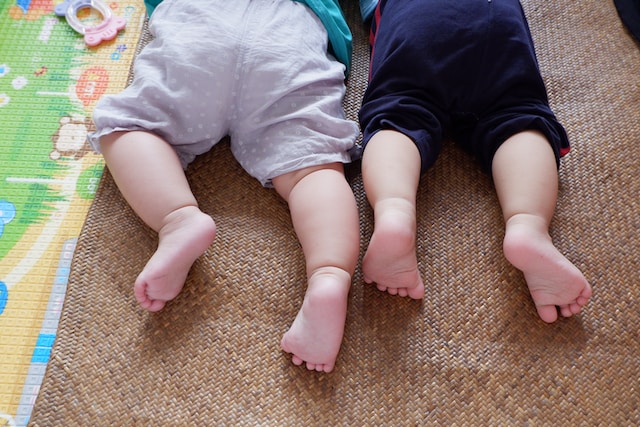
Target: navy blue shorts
463,69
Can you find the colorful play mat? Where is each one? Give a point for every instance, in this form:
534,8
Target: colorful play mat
50,80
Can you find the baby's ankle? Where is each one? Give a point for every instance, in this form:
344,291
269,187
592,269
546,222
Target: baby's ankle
189,221
334,273
528,222
394,206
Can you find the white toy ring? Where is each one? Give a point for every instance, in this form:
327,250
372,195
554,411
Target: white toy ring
107,29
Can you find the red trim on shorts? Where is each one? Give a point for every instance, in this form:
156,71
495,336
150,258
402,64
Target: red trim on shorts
375,21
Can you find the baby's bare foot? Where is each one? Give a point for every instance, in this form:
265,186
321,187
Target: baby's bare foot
185,236
315,336
390,261
553,281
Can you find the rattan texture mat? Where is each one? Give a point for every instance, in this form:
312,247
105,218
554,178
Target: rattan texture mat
472,353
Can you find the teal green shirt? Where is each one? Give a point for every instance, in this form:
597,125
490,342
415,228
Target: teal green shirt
330,14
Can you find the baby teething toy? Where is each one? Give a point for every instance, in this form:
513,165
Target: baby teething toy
107,29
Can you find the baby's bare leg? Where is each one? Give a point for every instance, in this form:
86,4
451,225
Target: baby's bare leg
325,218
151,179
391,173
526,180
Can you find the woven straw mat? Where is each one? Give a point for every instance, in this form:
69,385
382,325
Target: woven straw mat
472,353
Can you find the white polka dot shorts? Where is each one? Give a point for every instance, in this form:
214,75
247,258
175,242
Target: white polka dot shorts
257,71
